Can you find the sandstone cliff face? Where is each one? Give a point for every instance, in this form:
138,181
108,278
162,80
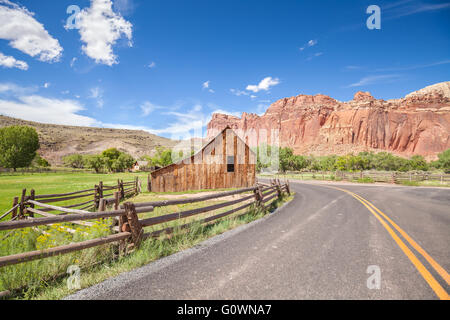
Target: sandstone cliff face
320,125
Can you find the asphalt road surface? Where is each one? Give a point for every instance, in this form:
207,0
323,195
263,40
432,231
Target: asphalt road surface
327,243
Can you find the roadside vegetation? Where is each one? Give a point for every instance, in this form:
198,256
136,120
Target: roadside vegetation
47,278
381,161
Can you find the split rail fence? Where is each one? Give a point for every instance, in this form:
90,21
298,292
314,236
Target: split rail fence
389,177
90,199
130,230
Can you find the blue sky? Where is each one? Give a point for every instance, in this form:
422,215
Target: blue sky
165,66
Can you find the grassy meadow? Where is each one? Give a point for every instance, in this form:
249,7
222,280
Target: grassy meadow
52,183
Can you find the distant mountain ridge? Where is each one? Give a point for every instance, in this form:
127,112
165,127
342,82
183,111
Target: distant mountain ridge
320,125
58,141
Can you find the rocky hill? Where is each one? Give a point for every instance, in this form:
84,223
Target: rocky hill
320,125
58,141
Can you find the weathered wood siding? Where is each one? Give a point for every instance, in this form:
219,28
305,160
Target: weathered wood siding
208,168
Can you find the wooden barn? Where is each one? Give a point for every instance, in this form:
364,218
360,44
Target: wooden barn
225,162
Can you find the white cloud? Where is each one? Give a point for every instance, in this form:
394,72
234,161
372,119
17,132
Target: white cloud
97,94
311,43
125,7
148,107
239,93
11,62
414,67
100,28
46,110
72,62
261,109
206,86
407,8
152,65
374,79
185,123
25,33
265,84
353,67
315,55
230,113
13,89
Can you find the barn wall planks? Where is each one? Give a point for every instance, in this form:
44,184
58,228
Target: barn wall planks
208,168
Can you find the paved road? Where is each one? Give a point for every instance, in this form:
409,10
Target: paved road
318,246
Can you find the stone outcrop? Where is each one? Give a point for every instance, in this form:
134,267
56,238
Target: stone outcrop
320,125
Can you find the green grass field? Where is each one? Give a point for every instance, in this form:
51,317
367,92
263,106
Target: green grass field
51,183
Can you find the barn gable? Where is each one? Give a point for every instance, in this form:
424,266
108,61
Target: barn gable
225,162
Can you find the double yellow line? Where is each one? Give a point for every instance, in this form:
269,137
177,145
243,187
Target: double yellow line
437,288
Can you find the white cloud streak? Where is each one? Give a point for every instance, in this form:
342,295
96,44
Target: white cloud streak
369,80
46,110
97,94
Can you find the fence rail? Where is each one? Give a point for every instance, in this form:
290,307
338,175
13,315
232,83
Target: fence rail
389,177
130,231
94,202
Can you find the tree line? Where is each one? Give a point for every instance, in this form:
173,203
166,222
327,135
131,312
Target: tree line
381,161
113,160
19,145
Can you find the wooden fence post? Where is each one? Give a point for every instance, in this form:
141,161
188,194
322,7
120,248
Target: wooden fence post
135,225
102,205
22,204
96,197
122,190
32,197
278,187
100,189
149,184
288,187
15,203
116,200
258,196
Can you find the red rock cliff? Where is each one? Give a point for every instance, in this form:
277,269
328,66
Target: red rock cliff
320,125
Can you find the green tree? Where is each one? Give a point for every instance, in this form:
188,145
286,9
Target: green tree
40,162
444,160
111,153
418,163
96,162
286,159
75,161
109,157
123,162
18,146
162,158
